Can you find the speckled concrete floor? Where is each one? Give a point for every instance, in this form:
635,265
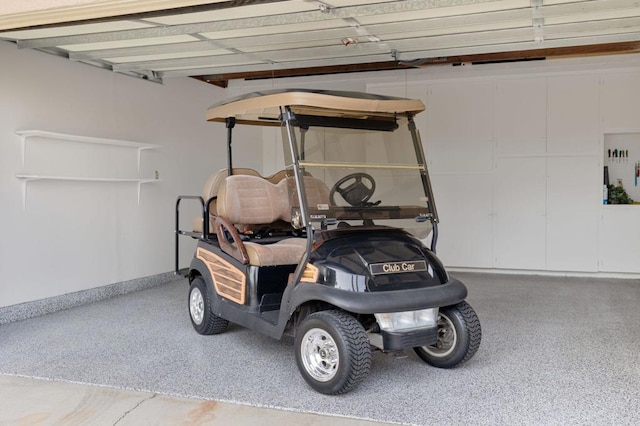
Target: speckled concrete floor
554,351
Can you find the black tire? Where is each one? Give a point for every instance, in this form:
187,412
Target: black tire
459,336
332,352
199,305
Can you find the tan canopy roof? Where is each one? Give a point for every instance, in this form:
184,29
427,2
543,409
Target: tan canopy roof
263,108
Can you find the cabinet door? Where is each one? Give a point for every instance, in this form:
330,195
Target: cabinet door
520,116
573,115
466,224
620,239
574,196
621,101
460,110
460,128
520,198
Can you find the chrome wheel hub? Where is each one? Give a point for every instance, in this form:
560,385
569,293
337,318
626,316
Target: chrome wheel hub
196,306
319,354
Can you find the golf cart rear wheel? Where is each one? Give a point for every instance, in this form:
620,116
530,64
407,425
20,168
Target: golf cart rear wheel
202,319
332,352
459,336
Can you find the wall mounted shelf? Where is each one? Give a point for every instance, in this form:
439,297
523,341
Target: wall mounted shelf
43,136
27,134
26,178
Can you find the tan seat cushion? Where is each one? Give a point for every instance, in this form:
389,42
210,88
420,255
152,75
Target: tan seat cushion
210,189
212,186
284,252
252,200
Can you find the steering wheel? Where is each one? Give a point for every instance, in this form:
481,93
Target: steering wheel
355,193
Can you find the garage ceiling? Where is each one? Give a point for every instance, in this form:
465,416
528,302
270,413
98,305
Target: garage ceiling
222,40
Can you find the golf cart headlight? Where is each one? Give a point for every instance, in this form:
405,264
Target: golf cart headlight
396,321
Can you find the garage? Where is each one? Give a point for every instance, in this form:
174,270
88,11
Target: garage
531,135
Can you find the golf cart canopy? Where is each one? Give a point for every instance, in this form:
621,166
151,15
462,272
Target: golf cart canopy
353,159
264,108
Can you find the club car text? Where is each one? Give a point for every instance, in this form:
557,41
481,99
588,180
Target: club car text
397,267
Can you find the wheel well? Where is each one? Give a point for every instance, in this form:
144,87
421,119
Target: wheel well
193,274
312,306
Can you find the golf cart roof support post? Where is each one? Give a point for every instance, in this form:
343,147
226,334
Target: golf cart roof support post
426,182
286,116
303,132
230,122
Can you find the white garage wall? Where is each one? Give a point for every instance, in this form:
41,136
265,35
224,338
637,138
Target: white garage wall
515,153
516,159
73,236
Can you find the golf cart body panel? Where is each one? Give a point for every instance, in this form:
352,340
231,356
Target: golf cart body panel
332,246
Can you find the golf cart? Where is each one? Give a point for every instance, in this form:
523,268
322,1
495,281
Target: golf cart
329,250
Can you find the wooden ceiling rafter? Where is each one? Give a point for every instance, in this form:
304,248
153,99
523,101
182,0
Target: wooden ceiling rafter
222,80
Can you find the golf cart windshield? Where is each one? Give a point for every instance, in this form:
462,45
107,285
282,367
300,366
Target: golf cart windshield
370,167
353,159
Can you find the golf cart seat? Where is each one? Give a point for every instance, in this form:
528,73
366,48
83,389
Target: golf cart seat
210,189
212,185
248,200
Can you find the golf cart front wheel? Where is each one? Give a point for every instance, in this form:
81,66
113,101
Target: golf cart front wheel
459,336
202,319
332,352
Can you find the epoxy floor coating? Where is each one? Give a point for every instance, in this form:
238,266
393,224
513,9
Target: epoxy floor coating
554,351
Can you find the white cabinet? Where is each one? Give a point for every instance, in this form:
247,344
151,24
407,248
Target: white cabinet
460,111
520,118
520,208
516,165
620,239
573,115
621,101
574,197
465,205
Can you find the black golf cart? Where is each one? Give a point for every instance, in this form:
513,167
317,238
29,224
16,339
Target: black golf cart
329,250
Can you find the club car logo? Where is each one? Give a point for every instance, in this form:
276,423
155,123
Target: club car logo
397,267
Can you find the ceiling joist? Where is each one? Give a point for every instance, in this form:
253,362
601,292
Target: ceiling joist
298,37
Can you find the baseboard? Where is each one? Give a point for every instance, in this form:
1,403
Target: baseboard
567,274
57,303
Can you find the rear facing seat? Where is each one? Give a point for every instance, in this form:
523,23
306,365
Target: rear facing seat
250,200
212,186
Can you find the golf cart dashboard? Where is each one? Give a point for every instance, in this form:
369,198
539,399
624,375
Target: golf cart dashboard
337,213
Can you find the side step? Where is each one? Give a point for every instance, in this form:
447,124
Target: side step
271,316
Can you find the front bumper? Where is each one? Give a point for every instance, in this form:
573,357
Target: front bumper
399,340
437,296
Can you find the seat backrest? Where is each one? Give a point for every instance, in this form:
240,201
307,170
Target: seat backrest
252,200
316,191
277,176
212,185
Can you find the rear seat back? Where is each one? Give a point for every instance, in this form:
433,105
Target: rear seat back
278,189
252,200
212,186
